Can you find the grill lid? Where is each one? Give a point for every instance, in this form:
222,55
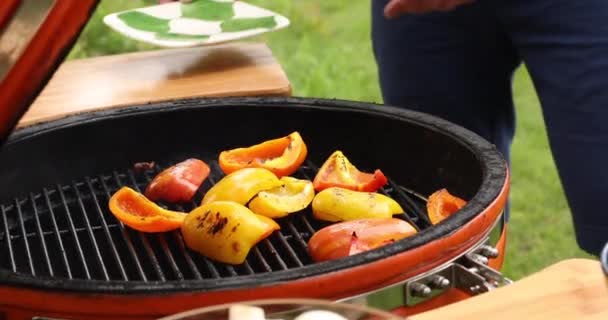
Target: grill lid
35,37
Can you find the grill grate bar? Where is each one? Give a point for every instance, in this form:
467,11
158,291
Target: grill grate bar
298,237
258,254
106,231
187,256
163,243
57,233
183,250
73,232
306,224
273,252
404,216
61,232
231,270
248,268
211,268
111,250
23,232
125,236
104,270
7,236
41,236
289,249
411,204
144,239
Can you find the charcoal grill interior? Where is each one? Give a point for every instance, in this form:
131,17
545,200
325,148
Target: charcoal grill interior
55,224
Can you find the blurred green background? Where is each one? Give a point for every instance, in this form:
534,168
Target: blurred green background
326,52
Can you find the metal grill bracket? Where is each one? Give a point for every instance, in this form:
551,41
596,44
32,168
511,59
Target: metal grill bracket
469,273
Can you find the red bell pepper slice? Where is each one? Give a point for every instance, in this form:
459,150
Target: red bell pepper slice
337,171
347,238
179,182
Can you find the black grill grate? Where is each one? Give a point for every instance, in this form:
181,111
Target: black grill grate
68,232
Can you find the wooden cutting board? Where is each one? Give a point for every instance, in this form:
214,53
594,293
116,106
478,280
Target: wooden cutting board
234,69
569,290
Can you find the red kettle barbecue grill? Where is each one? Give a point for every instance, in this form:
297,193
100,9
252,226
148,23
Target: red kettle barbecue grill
63,254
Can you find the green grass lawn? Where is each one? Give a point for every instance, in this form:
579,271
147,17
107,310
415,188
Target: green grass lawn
326,52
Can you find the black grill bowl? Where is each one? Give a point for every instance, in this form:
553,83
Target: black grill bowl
58,238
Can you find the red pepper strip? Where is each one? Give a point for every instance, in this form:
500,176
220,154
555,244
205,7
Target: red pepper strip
179,182
343,239
337,171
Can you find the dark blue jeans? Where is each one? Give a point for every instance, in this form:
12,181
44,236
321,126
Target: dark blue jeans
458,65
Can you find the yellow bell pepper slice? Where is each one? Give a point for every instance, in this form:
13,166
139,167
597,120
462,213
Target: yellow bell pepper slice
339,204
291,196
225,231
241,185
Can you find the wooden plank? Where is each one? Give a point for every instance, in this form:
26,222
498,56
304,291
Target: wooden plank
236,69
571,289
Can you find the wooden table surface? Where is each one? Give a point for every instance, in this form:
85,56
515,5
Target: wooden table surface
569,290
236,69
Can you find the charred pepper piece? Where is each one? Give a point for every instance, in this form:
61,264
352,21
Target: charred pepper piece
225,231
338,171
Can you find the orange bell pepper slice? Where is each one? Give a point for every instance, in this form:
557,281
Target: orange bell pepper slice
347,238
441,204
338,171
282,156
178,183
136,211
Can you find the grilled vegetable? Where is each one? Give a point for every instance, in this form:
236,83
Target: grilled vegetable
242,185
283,156
338,204
338,171
351,237
179,182
291,196
441,204
225,231
136,211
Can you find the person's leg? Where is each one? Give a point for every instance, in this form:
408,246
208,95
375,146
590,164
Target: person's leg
564,44
456,65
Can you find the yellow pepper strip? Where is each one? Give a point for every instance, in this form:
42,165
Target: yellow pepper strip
338,204
136,211
241,185
225,231
291,196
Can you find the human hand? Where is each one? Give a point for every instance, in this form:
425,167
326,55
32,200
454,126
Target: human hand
396,8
